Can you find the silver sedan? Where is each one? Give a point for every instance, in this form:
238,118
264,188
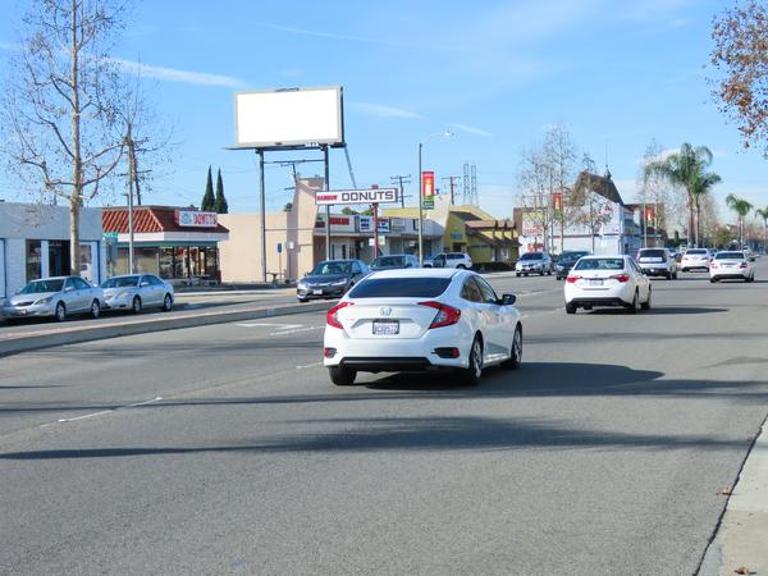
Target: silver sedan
56,297
135,292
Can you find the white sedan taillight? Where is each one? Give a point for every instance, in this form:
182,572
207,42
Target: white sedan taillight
446,315
572,279
621,277
331,317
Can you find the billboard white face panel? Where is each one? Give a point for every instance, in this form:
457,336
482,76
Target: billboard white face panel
289,118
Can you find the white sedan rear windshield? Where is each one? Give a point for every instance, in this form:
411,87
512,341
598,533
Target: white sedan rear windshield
600,264
400,288
696,252
730,256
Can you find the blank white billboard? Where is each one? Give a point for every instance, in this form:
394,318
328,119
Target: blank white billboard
289,118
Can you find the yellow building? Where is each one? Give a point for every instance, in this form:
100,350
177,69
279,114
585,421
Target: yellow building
468,229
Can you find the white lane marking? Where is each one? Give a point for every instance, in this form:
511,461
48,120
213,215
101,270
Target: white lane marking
298,330
268,325
110,411
313,365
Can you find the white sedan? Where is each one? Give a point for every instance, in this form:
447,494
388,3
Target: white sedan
417,320
731,265
607,281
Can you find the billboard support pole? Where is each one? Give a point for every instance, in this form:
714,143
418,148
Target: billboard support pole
421,211
327,208
263,224
375,229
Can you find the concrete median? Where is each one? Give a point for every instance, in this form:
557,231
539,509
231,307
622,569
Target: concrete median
58,335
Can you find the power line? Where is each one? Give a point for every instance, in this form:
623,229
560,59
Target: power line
400,180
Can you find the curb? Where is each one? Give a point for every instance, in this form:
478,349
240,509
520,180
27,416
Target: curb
88,334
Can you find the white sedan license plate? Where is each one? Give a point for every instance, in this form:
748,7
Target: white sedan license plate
386,327
595,282
316,291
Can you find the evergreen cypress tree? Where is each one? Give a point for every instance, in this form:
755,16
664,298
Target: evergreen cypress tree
208,201
220,205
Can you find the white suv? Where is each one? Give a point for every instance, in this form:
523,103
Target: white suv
534,263
450,260
657,262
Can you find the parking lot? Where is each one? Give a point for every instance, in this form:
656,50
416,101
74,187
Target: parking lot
225,449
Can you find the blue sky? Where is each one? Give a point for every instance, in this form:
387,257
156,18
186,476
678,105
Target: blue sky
498,73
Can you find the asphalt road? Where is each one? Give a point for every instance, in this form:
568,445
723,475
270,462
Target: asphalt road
225,449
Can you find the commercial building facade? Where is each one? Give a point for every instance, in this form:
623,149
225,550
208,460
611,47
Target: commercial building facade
174,243
34,243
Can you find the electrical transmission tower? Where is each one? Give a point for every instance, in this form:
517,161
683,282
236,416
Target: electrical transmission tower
469,192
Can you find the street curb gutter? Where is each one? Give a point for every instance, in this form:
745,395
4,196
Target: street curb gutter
742,530
88,334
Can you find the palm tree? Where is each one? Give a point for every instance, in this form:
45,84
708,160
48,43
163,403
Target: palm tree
742,208
688,168
763,213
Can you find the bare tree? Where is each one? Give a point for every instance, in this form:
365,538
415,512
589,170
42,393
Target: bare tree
670,201
61,116
740,61
535,179
559,154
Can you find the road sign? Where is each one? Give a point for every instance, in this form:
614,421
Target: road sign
368,196
428,204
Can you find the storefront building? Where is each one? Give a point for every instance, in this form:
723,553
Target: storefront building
296,238
34,243
174,243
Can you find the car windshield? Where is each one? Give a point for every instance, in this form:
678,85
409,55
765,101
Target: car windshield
532,256
121,282
730,256
41,286
651,254
600,264
332,268
400,288
570,256
387,261
695,251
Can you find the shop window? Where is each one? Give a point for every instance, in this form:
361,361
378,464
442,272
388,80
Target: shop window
34,260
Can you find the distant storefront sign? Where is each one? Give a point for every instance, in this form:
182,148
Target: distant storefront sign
338,223
195,219
368,196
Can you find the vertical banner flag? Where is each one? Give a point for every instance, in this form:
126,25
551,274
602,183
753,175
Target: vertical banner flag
557,201
650,215
428,184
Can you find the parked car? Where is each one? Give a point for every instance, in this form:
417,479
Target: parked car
607,281
731,265
331,279
393,261
419,320
449,260
657,262
695,259
135,292
534,263
566,261
56,297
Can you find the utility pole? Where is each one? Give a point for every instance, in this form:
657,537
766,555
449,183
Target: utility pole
400,180
452,183
131,181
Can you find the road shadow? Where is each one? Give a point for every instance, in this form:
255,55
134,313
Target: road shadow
655,311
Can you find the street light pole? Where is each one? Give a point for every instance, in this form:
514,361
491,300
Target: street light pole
421,211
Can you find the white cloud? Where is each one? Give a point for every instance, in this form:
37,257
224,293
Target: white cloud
471,130
10,46
175,75
383,111
335,36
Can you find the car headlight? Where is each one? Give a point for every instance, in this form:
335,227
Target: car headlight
47,300
302,285
339,283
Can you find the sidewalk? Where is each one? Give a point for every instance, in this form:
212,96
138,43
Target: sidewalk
49,335
741,543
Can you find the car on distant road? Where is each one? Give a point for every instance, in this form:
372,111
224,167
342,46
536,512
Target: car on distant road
56,297
695,259
607,281
657,262
459,260
394,261
135,292
331,279
731,265
534,263
422,320
565,262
